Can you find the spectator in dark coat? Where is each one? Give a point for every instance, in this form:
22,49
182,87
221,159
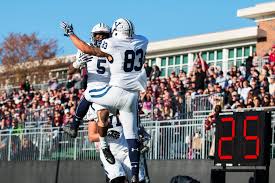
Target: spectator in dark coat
248,65
148,69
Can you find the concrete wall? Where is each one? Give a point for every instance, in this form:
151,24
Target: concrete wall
92,172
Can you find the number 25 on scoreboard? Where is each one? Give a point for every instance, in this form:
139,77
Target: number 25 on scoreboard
243,138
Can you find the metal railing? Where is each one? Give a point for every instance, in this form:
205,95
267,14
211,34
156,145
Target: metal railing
46,144
35,115
177,139
200,103
260,62
174,139
40,86
170,139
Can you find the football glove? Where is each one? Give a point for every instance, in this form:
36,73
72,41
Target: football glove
81,61
113,134
68,28
85,58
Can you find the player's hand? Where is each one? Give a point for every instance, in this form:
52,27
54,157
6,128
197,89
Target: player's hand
113,134
68,28
81,61
85,58
110,59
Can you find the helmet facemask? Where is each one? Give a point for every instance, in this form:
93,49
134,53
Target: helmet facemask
99,32
98,37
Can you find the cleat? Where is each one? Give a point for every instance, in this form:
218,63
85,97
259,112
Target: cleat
108,155
72,132
134,179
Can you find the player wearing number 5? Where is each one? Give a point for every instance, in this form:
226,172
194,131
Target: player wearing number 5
126,51
98,72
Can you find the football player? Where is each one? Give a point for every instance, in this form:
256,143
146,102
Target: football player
121,170
126,52
98,76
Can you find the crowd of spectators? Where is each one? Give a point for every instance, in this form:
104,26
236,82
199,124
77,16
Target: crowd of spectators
165,98
249,85
55,106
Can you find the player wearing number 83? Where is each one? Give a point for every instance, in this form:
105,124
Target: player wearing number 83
126,52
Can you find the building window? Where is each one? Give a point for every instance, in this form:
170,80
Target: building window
239,52
204,55
153,62
177,62
177,70
171,61
230,63
247,51
163,72
253,48
231,53
163,61
170,70
211,56
219,61
185,69
185,59
237,56
219,55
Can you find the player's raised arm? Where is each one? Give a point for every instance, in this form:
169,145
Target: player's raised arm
82,45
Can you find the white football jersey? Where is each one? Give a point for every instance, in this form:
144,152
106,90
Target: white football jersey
117,145
98,69
119,149
128,58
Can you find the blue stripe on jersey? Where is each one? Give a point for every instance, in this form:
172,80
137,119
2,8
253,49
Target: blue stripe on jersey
100,95
97,90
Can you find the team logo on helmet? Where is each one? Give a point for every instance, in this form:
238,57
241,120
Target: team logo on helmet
123,28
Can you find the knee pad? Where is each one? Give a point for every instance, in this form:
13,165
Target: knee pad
119,180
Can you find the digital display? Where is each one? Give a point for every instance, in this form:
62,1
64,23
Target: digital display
243,139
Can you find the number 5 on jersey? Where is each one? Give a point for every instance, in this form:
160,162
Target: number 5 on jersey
100,68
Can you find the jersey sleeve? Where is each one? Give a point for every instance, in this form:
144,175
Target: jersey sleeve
107,46
142,79
145,40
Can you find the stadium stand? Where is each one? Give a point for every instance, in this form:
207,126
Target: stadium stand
177,101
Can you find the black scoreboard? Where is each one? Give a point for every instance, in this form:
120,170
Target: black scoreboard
243,139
